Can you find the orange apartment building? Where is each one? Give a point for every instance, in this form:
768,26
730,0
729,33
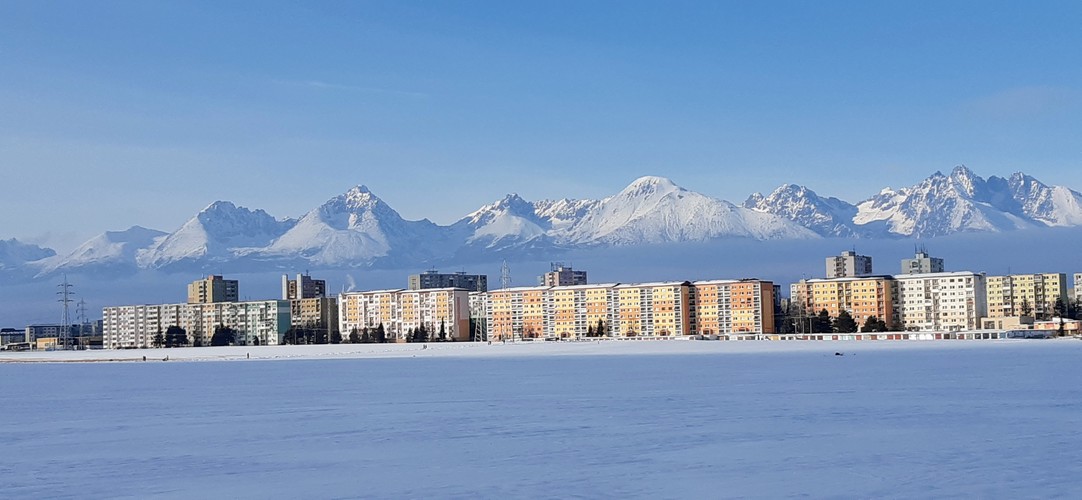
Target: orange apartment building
734,306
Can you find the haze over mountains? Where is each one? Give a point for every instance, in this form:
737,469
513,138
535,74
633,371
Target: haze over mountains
359,230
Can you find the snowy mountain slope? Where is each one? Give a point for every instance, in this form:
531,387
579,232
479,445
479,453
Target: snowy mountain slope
655,210
354,229
112,251
219,233
825,216
15,254
564,213
941,205
1054,206
502,225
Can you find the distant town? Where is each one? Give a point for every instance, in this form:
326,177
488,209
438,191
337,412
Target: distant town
922,301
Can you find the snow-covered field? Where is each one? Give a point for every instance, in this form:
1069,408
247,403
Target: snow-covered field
676,419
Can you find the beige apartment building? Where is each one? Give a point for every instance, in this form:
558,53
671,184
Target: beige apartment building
213,288
862,297
318,312
652,309
1025,294
400,311
632,309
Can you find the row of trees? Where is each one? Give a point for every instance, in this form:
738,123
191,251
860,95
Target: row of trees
823,323
379,335
175,336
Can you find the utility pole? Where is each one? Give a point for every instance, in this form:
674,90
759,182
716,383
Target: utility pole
65,294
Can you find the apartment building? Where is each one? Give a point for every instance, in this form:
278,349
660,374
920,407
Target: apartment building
652,309
1025,294
304,287
922,263
213,289
862,297
848,265
401,311
561,275
435,279
136,326
941,301
318,312
733,306
1077,287
579,310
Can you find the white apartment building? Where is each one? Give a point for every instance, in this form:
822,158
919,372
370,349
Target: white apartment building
136,326
400,311
941,301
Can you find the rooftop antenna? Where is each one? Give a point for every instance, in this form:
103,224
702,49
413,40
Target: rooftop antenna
65,294
505,275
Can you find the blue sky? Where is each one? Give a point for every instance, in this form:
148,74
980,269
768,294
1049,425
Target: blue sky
121,113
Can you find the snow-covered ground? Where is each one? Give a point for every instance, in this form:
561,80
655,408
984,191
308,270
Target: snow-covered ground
675,419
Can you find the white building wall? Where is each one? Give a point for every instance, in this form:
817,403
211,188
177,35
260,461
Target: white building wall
941,301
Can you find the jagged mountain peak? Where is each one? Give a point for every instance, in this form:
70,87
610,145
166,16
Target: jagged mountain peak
357,228
825,216
512,204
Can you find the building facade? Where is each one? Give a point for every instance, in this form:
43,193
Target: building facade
848,265
1033,295
861,297
212,289
319,313
941,301
435,279
402,311
1077,287
136,326
734,306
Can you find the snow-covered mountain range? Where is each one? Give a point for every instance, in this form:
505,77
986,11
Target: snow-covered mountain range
358,229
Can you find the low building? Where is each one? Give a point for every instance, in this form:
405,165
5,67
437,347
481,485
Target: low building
10,335
1007,323
1070,326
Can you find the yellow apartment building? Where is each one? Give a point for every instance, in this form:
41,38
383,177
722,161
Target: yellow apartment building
652,309
1025,294
862,297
